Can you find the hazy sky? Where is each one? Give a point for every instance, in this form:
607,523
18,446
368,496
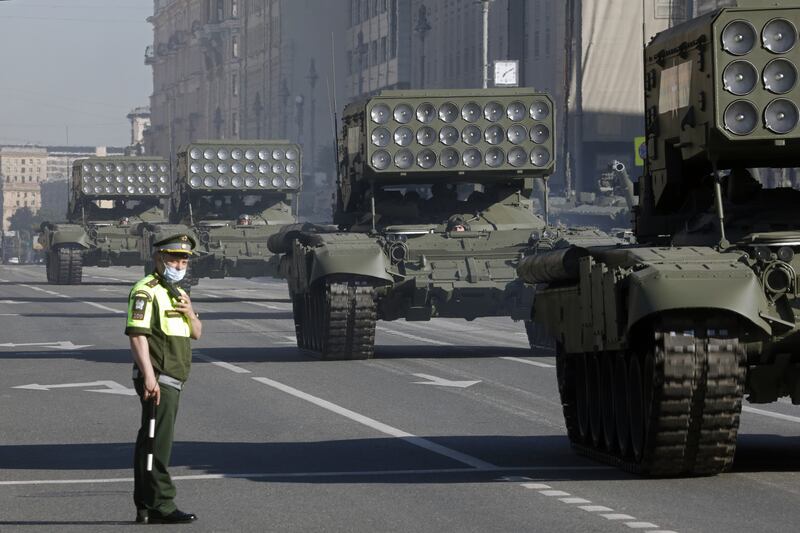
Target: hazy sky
76,64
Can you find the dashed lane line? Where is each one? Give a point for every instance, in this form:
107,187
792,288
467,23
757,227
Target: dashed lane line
529,362
443,343
221,364
380,426
103,307
601,510
268,306
413,337
59,295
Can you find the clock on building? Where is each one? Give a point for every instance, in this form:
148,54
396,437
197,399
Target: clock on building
506,73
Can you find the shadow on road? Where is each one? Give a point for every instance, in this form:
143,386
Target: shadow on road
375,460
369,460
766,453
288,353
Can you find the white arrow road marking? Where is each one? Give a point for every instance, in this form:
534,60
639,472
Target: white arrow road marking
58,345
112,387
441,382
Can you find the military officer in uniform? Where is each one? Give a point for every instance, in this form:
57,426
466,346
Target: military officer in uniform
161,322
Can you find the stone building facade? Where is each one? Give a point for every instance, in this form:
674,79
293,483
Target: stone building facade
22,170
250,69
231,69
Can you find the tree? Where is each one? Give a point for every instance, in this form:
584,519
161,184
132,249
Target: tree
23,219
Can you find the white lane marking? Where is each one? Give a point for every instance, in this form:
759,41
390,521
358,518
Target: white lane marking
221,364
9,314
268,306
553,493
606,512
4,281
93,304
39,289
278,475
103,307
535,486
413,337
770,414
380,426
574,501
618,516
528,362
209,295
442,382
105,277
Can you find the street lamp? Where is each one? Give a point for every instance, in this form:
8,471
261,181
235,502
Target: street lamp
485,5
283,93
312,82
299,101
422,28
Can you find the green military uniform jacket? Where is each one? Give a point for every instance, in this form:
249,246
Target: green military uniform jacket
151,312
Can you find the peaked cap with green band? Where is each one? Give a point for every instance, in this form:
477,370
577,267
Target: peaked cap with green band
177,243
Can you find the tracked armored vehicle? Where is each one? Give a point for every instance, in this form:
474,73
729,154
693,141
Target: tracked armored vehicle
111,198
407,244
608,208
233,196
659,343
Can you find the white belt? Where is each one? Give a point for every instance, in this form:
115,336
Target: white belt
162,378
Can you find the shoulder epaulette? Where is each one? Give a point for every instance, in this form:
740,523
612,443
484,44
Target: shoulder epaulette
152,283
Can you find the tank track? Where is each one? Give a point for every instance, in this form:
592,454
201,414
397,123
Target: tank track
681,421
336,320
65,266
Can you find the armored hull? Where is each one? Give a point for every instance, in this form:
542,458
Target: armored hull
233,196
658,344
412,272
111,201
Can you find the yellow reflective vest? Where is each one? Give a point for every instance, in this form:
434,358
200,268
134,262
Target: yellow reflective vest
151,312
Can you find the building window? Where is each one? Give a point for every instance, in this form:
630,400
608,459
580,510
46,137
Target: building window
374,54
235,124
384,51
220,10
235,45
235,84
234,8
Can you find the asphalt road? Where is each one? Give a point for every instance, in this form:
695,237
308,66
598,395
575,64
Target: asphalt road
454,426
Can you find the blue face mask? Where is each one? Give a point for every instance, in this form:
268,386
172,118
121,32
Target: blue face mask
173,275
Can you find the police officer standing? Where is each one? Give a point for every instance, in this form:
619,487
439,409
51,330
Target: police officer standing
161,322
